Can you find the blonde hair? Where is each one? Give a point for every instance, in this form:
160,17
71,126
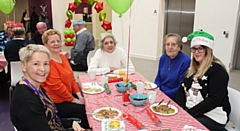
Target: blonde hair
104,36
48,33
200,70
26,53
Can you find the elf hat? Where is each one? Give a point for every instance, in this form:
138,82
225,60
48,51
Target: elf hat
200,38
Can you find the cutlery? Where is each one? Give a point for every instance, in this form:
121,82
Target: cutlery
126,104
167,105
160,102
146,84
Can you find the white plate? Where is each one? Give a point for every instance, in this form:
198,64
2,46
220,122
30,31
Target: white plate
93,88
150,85
108,108
173,107
112,75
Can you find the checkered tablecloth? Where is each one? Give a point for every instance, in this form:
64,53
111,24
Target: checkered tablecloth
175,122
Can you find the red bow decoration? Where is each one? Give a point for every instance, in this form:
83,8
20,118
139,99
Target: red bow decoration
18,25
68,23
72,6
98,6
106,25
153,117
84,1
134,121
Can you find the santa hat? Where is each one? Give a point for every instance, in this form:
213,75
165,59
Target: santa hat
200,38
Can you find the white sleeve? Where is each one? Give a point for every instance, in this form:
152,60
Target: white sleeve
95,62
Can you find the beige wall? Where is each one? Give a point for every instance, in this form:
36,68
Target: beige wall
19,8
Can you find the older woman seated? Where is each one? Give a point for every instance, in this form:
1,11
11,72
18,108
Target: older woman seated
31,108
109,58
60,83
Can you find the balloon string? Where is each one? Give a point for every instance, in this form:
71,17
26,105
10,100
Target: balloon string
129,33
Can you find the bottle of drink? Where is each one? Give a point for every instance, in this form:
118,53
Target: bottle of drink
107,89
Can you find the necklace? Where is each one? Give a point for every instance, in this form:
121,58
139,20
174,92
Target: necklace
170,65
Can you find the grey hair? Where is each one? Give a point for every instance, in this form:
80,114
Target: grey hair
106,35
26,53
179,39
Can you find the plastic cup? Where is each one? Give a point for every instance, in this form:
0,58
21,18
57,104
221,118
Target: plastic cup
152,95
140,87
92,75
104,79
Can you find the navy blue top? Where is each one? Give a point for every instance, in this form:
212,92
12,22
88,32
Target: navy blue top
171,73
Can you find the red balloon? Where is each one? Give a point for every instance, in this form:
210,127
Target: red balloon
106,25
66,36
68,23
67,43
72,6
71,35
71,43
98,6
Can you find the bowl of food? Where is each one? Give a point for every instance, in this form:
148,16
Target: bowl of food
138,99
122,86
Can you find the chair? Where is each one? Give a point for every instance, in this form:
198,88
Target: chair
89,56
16,74
234,118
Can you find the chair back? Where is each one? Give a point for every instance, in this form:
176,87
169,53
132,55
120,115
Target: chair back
89,56
16,72
234,97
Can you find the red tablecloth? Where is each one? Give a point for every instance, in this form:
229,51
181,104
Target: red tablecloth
175,122
3,62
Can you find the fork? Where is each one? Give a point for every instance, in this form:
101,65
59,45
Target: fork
146,84
167,105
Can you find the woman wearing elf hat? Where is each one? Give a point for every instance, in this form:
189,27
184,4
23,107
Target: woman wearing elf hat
204,92
172,66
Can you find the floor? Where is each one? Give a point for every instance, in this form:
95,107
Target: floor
147,68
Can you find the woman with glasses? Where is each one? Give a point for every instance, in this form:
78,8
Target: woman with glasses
172,66
110,58
203,93
60,83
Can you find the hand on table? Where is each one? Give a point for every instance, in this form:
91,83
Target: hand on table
77,127
78,101
112,69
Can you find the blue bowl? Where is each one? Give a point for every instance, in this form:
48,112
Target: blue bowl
138,99
121,86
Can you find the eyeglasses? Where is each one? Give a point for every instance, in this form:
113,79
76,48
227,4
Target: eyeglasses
199,49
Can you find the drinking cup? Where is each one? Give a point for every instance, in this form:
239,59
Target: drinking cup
140,87
104,79
152,95
92,75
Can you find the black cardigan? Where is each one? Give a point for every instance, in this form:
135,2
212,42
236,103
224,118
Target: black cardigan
28,112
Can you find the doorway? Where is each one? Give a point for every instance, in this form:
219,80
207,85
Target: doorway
236,58
179,15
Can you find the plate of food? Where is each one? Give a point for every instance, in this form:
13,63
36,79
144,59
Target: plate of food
149,85
93,89
164,109
106,113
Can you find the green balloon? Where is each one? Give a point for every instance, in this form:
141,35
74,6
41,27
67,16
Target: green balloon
65,39
67,32
120,6
74,39
72,31
6,6
69,39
